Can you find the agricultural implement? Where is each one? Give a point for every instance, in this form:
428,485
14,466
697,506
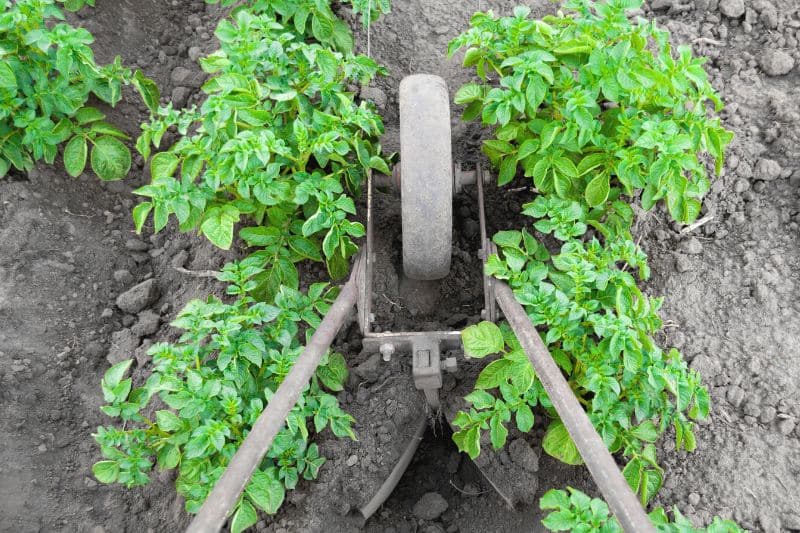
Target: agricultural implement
426,180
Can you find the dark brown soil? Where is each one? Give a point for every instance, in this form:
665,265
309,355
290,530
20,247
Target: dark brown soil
67,249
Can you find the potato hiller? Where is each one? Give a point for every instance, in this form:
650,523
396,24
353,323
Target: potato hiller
426,180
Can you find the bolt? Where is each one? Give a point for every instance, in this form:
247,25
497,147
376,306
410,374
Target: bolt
387,350
450,365
483,314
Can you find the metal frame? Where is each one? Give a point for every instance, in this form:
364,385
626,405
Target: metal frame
427,365
425,347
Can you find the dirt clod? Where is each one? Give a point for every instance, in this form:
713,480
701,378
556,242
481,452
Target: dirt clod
370,369
430,506
146,324
524,455
123,344
776,62
768,169
691,246
138,297
732,8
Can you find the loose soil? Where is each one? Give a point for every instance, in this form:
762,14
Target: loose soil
67,250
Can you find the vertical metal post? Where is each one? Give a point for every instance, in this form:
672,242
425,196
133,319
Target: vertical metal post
618,494
226,492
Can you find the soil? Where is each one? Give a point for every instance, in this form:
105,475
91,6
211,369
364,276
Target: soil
67,250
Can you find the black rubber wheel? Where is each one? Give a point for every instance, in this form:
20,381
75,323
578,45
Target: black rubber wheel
426,176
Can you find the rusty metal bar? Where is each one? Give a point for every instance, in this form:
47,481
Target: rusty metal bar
490,305
618,494
397,472
365,299
226,492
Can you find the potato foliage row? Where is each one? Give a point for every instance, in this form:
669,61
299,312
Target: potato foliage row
278,149
596,110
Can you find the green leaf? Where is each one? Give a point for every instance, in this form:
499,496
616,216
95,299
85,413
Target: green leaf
8,82
633,474
554,499
497,431
560,521
168,421
508,169
75,155
113,375
106,471
480,399
566,166
528,147
338,266
86,115
322,27
110,159
163,165
468,93
244,517
651,483
597,190
334,374
508,239
482,339
148,90
524,418
168,457
548,135
304,247
379,164
140,213
646,431
266,491
104,128
469,441
493,375
563,185
218,223
557,443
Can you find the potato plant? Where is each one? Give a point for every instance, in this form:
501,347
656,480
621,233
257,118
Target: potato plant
278,141
76,5
315,19
596,110
47,75
207,389
592,106
575,511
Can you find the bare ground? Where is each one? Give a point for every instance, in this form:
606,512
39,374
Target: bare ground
731,301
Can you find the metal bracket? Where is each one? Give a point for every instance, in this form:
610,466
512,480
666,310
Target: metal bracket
425,347
427,369
426,356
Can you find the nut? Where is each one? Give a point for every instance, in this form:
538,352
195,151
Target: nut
387,351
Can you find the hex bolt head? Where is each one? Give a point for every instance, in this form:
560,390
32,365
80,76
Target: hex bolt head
450,365
387,351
